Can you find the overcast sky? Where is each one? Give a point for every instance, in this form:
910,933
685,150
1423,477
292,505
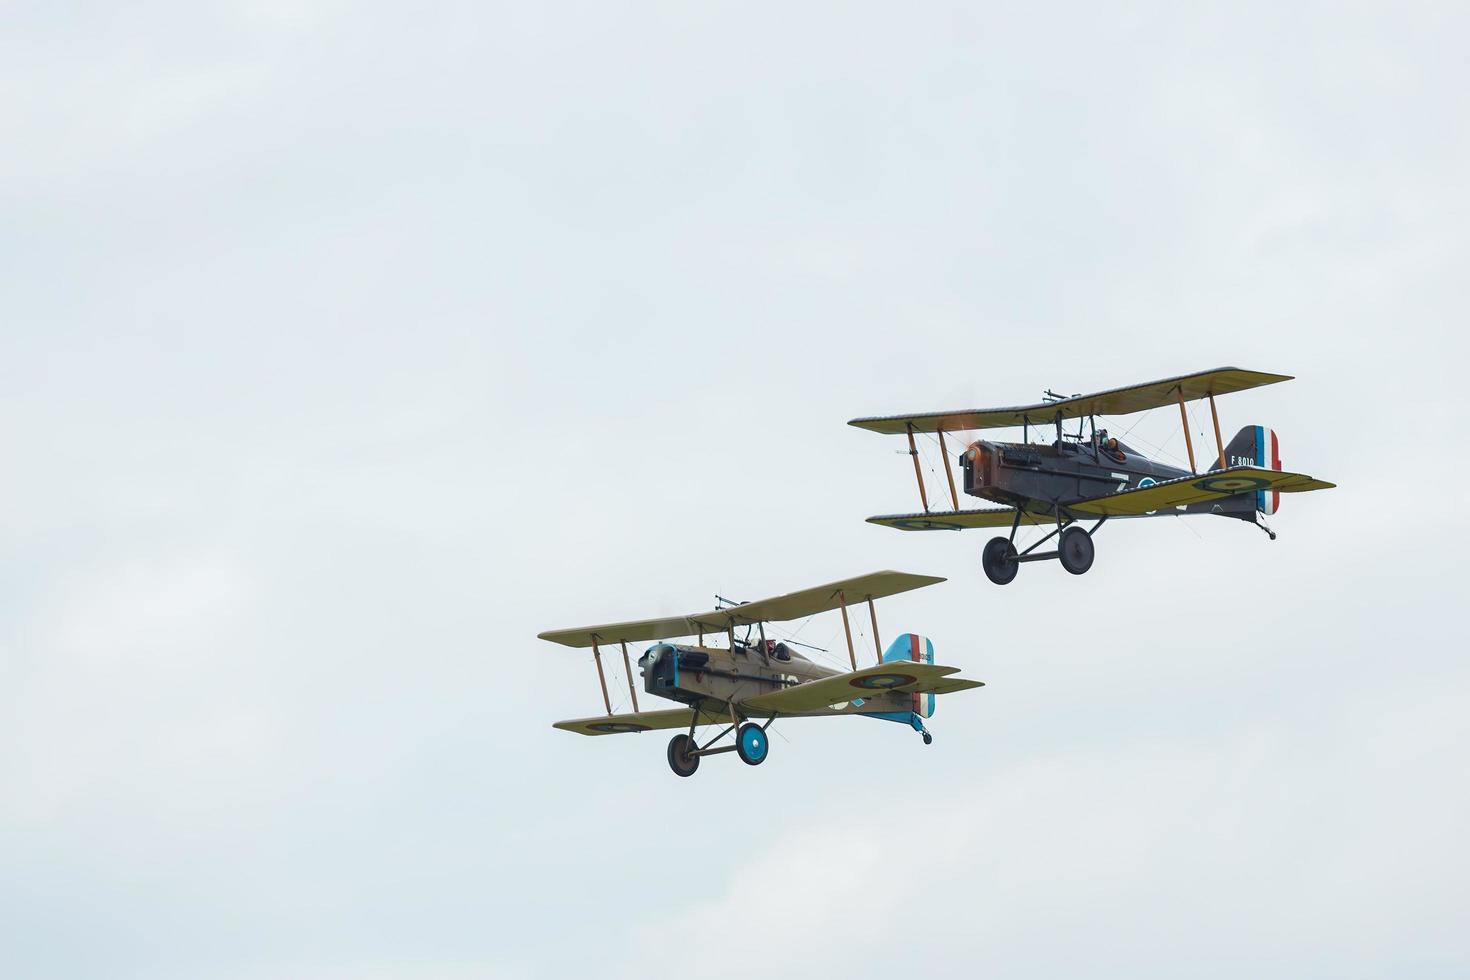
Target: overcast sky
345,347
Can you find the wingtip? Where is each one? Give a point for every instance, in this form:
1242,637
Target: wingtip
935,579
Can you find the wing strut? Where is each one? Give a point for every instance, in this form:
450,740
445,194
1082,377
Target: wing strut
847,628
601,678
1219,444
877,644
628,671
918,474
1184,421
948,474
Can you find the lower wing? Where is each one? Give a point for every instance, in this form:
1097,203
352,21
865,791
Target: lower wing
1195,489
959,520
637,721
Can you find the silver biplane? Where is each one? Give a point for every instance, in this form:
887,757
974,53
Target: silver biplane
752,677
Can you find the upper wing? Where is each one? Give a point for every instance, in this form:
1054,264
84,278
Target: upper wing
1115,401
637,721
793,605
1193,489
900,675
958,520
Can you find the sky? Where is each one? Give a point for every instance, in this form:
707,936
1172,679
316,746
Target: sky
346,347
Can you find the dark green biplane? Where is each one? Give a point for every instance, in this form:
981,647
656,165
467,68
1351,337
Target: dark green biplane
1089,475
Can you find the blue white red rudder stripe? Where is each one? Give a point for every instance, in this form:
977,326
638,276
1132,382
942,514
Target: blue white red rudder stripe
1268,457
1256,445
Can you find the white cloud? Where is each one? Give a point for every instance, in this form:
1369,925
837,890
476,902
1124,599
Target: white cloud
346,348
123,693
1228,853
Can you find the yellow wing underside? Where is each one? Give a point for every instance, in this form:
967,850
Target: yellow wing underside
959,520
637,721
1187,490
1195,489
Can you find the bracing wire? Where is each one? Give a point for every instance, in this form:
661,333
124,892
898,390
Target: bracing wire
1162,450
804,624
823,650
1135,425
1189,526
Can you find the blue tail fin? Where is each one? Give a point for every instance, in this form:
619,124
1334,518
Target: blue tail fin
915,648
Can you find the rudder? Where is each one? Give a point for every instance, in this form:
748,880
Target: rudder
916,649
1256,445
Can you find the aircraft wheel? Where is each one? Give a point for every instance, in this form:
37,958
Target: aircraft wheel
681,755
751,744
1075,550
999,561
928,739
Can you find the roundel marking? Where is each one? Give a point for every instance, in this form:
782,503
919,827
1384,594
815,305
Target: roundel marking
616,727
882,682
1232,484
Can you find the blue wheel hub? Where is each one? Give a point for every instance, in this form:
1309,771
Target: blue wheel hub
752,744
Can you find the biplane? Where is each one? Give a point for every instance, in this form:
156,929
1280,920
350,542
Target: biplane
753,677
1089,475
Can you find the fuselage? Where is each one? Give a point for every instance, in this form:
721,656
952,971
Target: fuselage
1040,479
714,677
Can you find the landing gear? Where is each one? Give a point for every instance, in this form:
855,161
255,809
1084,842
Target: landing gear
751,744
1261,523
928,739
999,561
1075,550
683,755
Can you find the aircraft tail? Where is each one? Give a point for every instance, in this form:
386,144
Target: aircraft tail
919,649
1256,445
